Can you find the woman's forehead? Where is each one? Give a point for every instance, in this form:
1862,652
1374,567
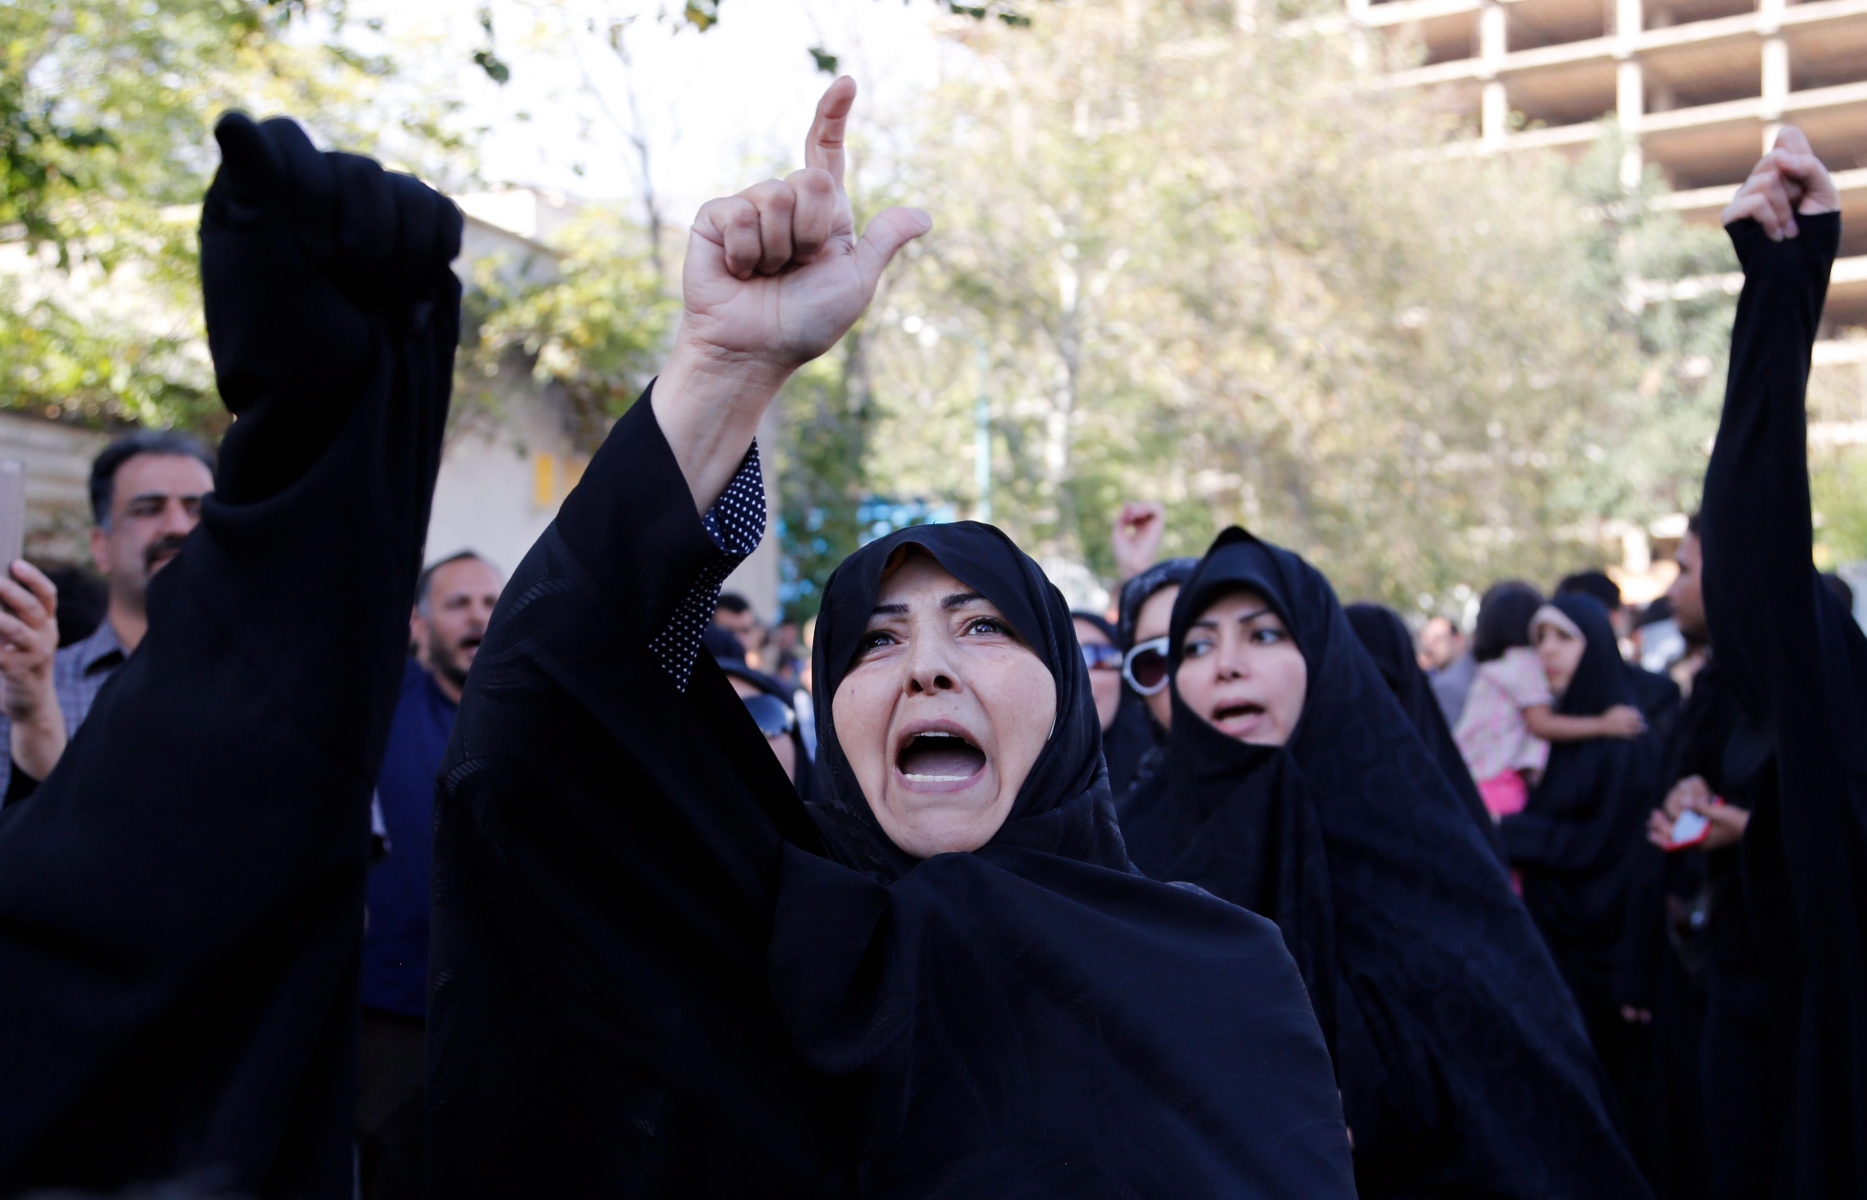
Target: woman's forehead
1235,603
917,576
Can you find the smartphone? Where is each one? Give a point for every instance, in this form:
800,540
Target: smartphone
12,513
1689,830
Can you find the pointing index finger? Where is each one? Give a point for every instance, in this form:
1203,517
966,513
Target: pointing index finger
824,147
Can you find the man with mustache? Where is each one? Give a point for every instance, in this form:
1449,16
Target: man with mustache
146,489
454,600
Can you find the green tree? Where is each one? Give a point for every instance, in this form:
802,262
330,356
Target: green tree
589,318
105,115
1215,263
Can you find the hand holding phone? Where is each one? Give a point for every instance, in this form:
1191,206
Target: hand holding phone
1690,829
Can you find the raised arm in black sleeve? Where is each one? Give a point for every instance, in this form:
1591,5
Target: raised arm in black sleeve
1798,665
181,900
607,862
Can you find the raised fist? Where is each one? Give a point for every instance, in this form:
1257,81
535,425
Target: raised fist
1787,181
307,256
774,276
1136,537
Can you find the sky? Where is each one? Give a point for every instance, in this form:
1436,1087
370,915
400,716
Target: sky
719,109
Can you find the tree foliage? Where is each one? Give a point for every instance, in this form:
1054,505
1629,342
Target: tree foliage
589,318
106,108
1211,261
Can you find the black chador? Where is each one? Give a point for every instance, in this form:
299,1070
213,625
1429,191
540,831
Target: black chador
1581,831
1035,1018
1384,635
654,977
1797,664
1463,1066
181,901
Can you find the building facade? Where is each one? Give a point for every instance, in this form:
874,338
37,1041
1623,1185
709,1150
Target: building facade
1701,85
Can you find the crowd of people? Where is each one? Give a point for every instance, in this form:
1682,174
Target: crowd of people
326,874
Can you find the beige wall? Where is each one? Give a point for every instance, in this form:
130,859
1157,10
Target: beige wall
58,470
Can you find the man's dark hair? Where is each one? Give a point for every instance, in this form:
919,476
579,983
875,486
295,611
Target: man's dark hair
1691,525
723,644
426,579
1660,610
105,466
733,603
1592,583
1504,616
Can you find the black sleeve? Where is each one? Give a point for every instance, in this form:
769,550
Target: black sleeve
181,904
608,846
1761,589
1797,664
19,785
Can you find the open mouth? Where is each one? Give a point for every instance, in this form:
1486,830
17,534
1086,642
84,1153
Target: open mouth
470,643
1235,713
939,756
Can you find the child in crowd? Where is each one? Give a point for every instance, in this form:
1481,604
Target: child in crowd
1507,724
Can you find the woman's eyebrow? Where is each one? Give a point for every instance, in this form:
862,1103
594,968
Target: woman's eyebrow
1252,616
961,600
889,610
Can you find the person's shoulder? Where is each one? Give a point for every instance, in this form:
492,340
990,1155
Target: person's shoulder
414,675
93,648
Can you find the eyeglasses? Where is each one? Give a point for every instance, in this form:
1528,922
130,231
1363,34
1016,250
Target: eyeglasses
1101,658
772,715
1145,668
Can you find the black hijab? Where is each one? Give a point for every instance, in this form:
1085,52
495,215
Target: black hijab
1462,1065
1583,822
1135,735
1100,622
1385,637
1034,1018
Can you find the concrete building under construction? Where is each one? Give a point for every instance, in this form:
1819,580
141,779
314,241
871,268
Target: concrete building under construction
1701,85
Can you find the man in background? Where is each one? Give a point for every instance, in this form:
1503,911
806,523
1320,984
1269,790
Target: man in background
146,489
454,600
735,614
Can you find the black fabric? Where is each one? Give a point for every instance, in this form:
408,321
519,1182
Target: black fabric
1100,622
1581,833
392,1062
1169,572
1386,638
1797,663
608,853
1034,1018
181,902
1129,741
1463,1066
1658,699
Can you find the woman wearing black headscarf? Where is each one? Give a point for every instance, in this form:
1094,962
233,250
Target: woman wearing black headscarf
181,900
1069,1014
1140,729
1386,639
1303,793
653,977
1097,638
1796,660
1582,826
